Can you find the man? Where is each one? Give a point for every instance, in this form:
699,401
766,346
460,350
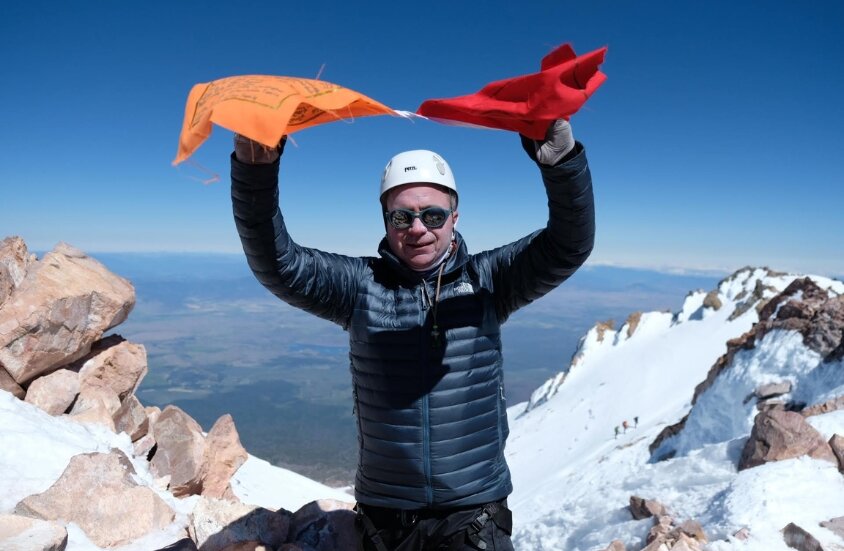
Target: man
424,321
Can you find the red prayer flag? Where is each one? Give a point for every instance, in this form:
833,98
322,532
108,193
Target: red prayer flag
528,104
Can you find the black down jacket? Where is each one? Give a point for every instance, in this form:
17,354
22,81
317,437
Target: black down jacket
431,412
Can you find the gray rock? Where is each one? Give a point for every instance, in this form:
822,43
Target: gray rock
120,364
324,525
9,385
798,538
132,419
642,508
772,390
63,305
54,393
217,524
779,435
15,261
118,512
180,450
19,533
837,445
835,525
224,455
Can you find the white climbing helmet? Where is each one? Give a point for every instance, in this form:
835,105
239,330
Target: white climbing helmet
417,166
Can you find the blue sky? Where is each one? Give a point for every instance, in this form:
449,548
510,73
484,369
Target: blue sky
716,142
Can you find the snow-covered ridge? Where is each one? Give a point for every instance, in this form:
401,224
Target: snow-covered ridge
736,294
574,475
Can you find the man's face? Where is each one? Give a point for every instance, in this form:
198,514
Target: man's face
419,246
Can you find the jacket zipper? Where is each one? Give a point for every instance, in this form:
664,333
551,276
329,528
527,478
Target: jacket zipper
426,423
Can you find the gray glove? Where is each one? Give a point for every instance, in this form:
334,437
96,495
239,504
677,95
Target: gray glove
557,144
254,153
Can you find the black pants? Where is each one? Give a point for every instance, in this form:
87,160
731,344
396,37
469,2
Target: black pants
485,527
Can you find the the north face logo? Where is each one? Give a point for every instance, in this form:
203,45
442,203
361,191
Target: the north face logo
464,288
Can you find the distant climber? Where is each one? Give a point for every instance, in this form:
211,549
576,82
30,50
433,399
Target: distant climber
626,426
616,431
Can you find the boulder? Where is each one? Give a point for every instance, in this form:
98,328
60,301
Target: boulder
772,390
216,524
19,533
835,525
117,362
54,393
692,529
711,300
660,530
9,385
121,512
131,418
616,545
96,403
94,392
224,455
798,538
63,305
742,533
779,435
324,525
15,261
143,446
180,447
825,407
642,508
836,443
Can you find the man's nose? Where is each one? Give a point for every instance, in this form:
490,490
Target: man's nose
417,227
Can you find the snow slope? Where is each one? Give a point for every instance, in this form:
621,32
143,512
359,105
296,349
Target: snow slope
573,478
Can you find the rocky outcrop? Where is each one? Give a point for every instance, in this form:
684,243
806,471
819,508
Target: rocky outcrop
131,418
118,512
10,385
15,261
324,525
52,320
798,538
180,449
616,545
215,525
833,404
18,533
665,535
63,305
836,443
55,392
223,456
779,435
632,323
642,508
835,525
772,390
711,300
802,306
116,362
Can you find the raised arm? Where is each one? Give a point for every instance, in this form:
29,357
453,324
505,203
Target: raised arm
529,268
321,283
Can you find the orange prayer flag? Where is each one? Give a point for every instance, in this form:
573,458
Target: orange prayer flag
264,108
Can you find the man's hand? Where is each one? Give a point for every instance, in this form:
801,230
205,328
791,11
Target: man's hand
251,152
557,144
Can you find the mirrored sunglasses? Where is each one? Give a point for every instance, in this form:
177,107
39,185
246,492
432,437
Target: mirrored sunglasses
431,217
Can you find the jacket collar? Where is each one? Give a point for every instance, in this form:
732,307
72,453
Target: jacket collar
453,263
